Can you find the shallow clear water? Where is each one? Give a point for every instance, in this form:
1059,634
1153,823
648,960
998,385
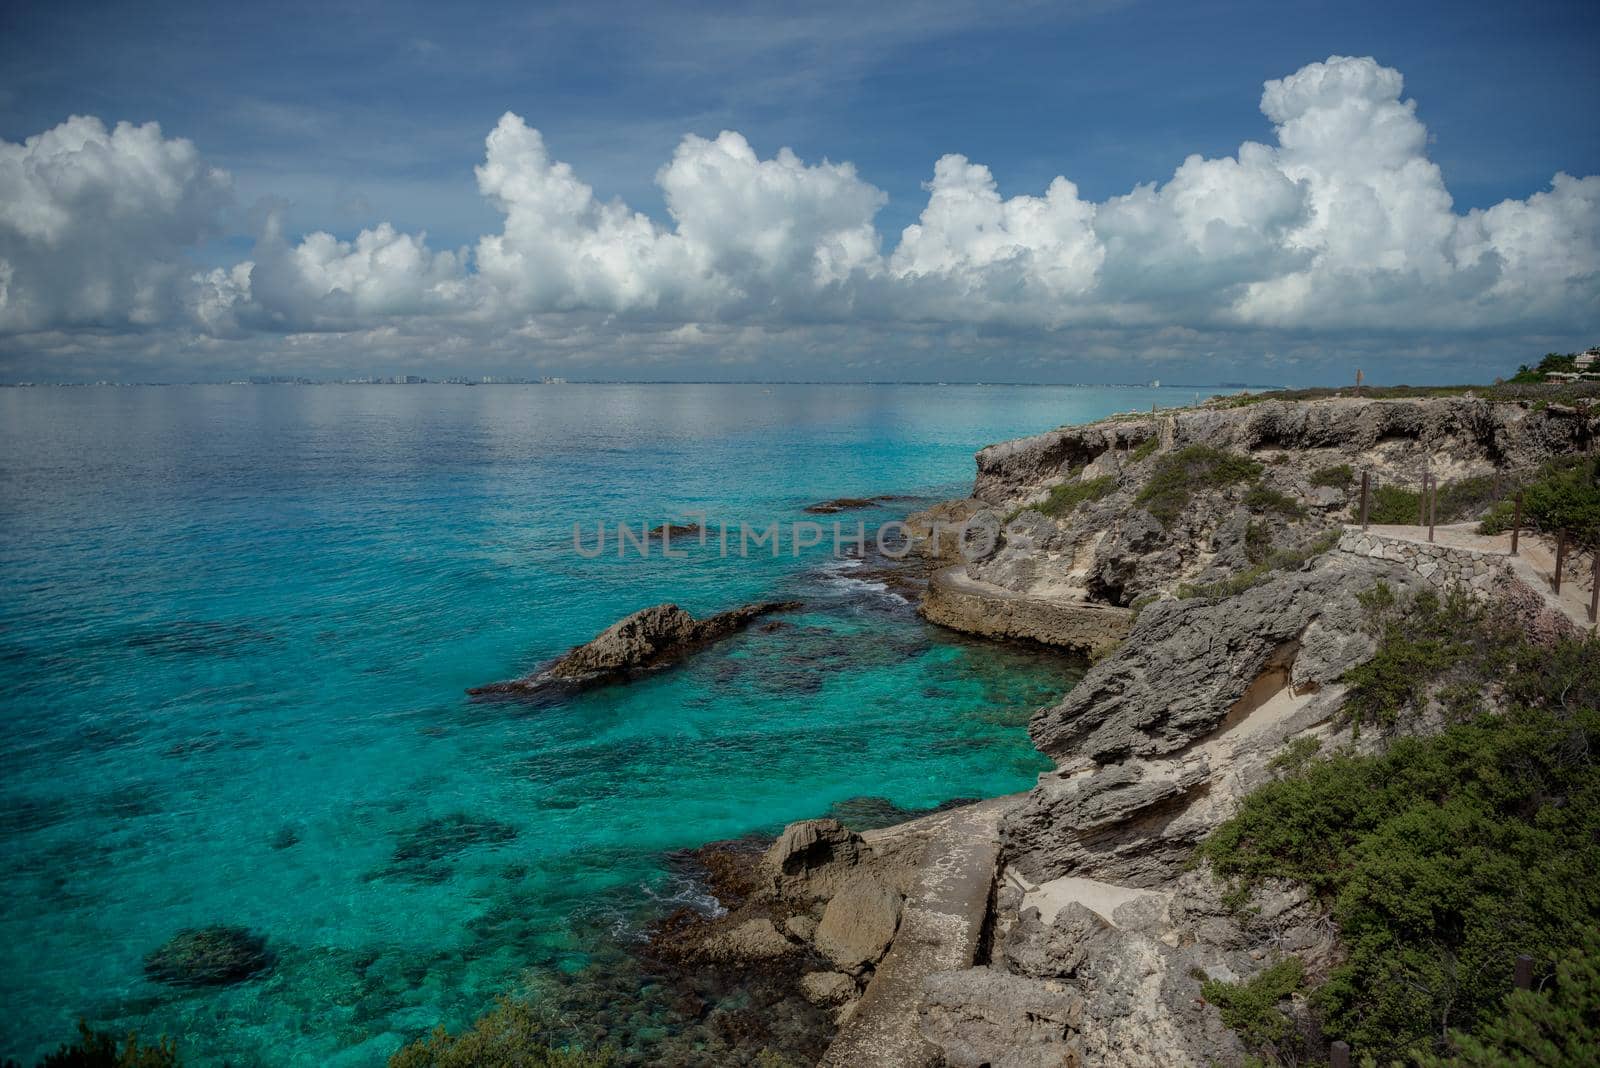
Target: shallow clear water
236,627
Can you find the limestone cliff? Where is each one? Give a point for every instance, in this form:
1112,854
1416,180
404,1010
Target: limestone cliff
1218,548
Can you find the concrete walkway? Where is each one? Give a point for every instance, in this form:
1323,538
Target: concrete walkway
941,928
1534,564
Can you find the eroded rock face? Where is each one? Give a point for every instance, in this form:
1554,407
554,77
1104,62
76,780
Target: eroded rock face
812,858
983,1018
648,639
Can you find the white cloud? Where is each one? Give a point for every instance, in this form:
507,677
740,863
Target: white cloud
94,224
1342,224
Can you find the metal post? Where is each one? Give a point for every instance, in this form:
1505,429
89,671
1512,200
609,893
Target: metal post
1339,1054
1364,477
1561,558
1524,972
1516,524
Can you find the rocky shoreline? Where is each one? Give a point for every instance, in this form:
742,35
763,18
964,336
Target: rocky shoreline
1204,556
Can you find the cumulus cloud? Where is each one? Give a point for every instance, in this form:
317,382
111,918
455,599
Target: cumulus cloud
94,224
1341,224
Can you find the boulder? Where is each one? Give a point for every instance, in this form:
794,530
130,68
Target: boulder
811,858
859,923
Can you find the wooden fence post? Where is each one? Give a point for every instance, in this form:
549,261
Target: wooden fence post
1422,503
1516,524
1524,972
1339,1054
1364,477
1561,558
1433,506
1594,594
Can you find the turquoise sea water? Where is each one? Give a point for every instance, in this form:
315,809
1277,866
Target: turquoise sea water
236,628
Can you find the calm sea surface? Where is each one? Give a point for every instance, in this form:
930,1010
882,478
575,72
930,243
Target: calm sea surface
236,627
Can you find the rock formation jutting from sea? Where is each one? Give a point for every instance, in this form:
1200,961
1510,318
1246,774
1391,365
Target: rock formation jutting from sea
1213,560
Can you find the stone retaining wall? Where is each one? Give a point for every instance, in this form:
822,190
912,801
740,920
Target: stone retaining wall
1441,565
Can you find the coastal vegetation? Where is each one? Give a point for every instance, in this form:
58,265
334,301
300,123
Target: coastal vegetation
511,1035
1271,560
1563,496
1443,857
97,1049
1178,476
1063,499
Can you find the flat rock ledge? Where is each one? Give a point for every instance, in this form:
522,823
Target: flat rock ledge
941,929
960,602
647,640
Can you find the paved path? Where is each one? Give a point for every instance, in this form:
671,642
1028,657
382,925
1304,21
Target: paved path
941,927
1534,563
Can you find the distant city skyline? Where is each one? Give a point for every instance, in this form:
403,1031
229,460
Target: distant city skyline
1105,193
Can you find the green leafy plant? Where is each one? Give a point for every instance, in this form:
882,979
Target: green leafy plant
1063,499
1550,1027
1250,1008
512,1035
1146,448
1565,495
97,1049
1441,858
1338,477
1179,475
1267,499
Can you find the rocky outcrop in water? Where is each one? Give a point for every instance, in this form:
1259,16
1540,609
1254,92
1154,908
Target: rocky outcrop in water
647,640
209,956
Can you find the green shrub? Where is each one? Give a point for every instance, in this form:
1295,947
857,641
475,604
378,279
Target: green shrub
1267,499
1296,755
1277,560
1443,858
1338,477
1145,448
1392,505
97,1049
1418,643
1257,542
1067,496
1551,1027
1553,361
1565,495
512,1035
1178,475
1250,1008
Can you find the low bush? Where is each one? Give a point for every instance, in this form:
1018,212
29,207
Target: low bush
1063,499
1564,495
1338,477
512,1035
1250,1008
1178,475
1146,448
1277,560
1443,858
97,1049
1266,499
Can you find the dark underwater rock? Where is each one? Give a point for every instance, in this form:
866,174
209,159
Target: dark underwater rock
209,956
648,639
423,851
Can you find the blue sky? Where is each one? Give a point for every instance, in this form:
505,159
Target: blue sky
340,117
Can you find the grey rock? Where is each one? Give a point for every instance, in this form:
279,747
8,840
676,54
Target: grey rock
827,988
648,639
982,1017
859,923
812,858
